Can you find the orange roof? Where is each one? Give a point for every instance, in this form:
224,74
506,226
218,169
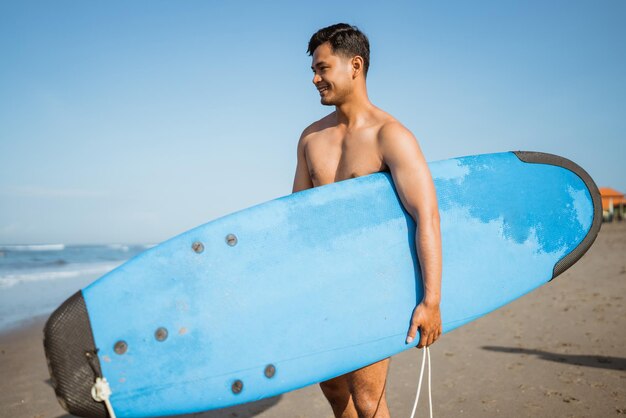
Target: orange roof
608,192
609,195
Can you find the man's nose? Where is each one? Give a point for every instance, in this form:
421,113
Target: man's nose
316,78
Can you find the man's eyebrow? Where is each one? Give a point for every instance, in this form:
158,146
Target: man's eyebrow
317,64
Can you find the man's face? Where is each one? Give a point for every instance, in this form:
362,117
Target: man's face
332,75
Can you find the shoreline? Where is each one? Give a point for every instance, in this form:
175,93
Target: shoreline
23,325
558,351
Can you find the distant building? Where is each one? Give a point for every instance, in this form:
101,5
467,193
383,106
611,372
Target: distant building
613,204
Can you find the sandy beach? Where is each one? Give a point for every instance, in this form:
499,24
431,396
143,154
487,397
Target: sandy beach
558,352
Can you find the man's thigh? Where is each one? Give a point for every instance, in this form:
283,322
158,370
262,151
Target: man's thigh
369,380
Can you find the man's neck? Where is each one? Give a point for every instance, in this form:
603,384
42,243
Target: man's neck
354,110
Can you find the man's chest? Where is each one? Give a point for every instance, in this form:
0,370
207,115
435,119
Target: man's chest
332,159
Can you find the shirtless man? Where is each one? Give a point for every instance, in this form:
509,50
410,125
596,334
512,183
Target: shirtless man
355,140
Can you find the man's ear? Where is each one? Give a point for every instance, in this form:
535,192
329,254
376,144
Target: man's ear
357,66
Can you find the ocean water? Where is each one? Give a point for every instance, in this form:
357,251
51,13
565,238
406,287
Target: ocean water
35,279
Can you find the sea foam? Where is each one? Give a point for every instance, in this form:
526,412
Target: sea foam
10,280
33,247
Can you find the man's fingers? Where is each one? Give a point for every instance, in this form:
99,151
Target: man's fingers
412,332
428,338
428,324
431,338
423,339
434,336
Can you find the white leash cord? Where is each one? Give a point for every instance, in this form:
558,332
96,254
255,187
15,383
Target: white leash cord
425,357
100,392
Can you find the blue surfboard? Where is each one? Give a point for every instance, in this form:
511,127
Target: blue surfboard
312,285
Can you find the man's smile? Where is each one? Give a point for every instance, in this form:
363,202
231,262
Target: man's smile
322,89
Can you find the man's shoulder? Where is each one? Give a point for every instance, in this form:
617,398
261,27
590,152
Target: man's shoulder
392,130
397,144
318,125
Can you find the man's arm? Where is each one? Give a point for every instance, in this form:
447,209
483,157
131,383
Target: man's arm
414,184
302,179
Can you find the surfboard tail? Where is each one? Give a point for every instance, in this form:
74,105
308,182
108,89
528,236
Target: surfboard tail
72,360
550,159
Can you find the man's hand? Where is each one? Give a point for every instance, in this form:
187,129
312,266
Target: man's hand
428,319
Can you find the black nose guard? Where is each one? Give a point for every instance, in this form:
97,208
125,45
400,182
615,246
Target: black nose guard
72,360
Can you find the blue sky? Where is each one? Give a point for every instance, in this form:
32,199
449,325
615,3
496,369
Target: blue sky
135,121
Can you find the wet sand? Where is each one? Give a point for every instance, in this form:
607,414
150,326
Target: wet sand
558,352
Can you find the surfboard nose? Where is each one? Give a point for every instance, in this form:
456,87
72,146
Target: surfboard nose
551,159
72,359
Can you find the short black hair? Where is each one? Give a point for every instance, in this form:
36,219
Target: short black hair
344,39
